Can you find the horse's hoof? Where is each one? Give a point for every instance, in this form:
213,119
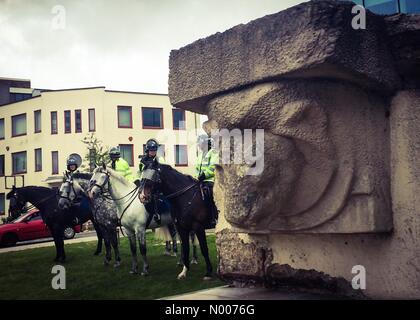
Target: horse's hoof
144,274
117,264
133,272
174,254
167,253
106,263
179,264
96,253
181,276
207,278
194,261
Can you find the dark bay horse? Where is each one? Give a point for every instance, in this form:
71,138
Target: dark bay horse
189,209
46,201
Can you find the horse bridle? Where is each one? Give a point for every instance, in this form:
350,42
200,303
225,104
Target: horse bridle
70,182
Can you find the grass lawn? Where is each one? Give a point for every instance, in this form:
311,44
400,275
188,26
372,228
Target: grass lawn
27,274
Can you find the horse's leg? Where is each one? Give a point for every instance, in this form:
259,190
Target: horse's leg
114,243
100,238
59,236
56,243
167,248
201,235
185,242
107,241
133,248
194,259
172,231
141,234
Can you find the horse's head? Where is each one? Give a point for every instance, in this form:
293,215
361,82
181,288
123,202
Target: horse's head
68,192
99,181
150,180
17,202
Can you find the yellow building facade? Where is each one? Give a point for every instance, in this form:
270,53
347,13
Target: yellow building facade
38,134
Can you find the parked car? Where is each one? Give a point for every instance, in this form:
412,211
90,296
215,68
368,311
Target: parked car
29,227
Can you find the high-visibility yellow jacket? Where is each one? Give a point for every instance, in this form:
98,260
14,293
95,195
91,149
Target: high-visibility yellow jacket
141,165
123,168
206,163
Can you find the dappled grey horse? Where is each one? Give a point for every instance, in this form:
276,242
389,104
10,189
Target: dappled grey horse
104,211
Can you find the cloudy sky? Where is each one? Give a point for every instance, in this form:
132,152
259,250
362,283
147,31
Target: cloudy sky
123,45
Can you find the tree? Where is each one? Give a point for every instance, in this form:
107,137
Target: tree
96,154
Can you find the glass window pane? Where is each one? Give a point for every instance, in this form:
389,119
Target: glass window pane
38,160
410,6
54,125
19,162
19,125
1,128
382,6
78,120
54,155
181,157
1,165
2,204
37,116
152,117
127,153
92,120
179,119
67,121
124,117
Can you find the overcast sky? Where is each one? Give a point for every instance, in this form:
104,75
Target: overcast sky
123,45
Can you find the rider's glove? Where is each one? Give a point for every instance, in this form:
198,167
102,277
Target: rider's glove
202,177
137,182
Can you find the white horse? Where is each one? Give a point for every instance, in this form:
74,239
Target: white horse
131,212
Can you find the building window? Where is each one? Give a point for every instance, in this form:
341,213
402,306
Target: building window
54,124
19,162
410,6
152,118
92,120
125,118
127,153
37,120
2,165
78,120
54,156
2,204
178,117
1,129
181,155
19,125
20,96
67,121
38,159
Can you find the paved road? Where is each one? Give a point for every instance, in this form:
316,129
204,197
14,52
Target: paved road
231,293
48,242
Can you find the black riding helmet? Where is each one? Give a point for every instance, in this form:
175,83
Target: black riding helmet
151,145
70,162
114,153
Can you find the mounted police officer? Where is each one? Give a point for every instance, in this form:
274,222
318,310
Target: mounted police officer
159,203
80,203
119,164
72,165
205,168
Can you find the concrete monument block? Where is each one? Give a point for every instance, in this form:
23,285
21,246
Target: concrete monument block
341,118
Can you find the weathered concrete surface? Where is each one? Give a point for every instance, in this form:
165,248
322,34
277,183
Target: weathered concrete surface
314,39
341,114
321,139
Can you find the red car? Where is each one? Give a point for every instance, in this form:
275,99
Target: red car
29,227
